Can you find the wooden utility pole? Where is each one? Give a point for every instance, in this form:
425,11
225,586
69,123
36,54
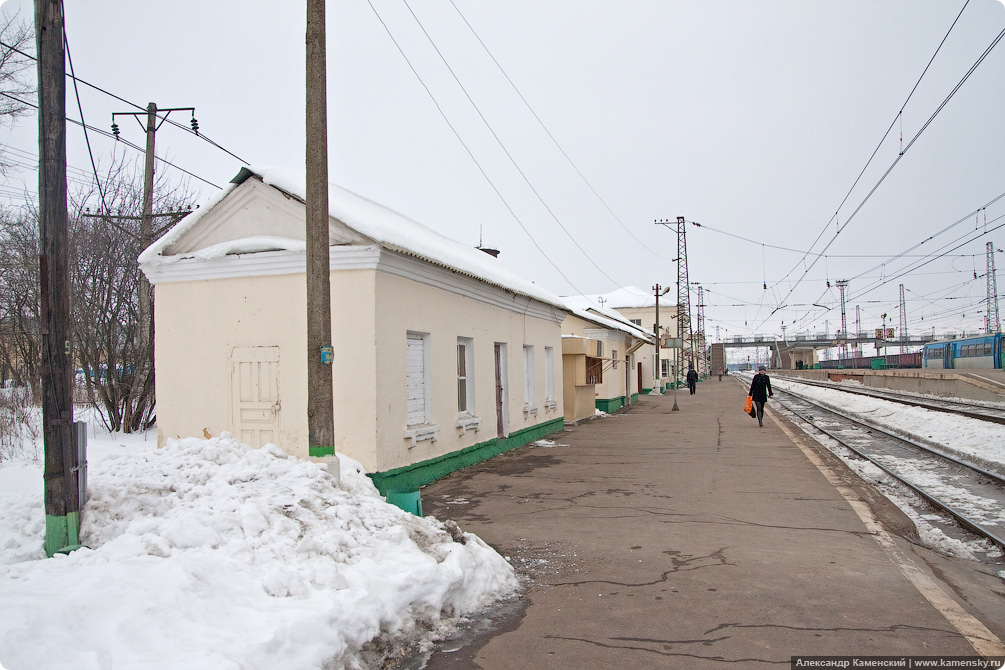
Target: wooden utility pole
62,496
320,394
146,232
144,375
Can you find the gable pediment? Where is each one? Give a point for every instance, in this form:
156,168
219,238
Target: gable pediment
256,210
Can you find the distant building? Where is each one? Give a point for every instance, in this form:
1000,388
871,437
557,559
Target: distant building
442,358
639,307
600,359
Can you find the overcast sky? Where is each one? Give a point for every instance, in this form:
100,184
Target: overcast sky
752,118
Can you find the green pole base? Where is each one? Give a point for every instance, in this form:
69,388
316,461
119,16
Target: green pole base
319,452
62,533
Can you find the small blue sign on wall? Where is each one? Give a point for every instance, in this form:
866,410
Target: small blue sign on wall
327,355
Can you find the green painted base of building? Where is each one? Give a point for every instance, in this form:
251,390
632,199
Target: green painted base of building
404,483
611,404
62,533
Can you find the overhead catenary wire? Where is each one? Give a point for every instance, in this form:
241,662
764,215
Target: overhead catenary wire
959,221
901,154
506,151
915,265
551,136
468,149
919,264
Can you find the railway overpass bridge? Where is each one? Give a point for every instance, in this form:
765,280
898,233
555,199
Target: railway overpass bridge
808,343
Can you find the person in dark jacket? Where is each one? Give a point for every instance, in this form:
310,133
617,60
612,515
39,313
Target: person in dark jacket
760,391
692,380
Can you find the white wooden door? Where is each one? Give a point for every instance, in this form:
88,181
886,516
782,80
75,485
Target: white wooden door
255,388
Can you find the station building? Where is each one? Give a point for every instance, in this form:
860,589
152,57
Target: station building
442,358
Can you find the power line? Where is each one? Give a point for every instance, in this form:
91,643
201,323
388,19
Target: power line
200,135
965,217
126,142
468,149
505,150
918,264
903,151
80,109
548,132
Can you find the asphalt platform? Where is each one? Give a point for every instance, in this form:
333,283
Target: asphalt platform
654,538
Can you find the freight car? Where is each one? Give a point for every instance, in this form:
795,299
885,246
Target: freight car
913,360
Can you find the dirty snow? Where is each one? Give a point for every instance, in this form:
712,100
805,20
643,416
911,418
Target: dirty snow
208,554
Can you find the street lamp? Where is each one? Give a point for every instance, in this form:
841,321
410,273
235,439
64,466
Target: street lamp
882,339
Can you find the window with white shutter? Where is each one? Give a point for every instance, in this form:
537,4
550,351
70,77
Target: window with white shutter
416,379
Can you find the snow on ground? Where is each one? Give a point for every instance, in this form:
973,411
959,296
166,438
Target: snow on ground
968,438
974,440
208,554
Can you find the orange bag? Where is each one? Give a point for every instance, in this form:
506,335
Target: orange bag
748,406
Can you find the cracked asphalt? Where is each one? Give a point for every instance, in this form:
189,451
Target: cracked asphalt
694,539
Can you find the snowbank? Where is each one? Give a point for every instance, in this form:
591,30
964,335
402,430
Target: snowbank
208,554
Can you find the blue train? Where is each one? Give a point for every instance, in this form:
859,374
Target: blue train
982,351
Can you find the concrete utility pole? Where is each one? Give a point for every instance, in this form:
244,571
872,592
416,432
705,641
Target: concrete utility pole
320,354
656,368
62,494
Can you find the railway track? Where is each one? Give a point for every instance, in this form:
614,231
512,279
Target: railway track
950,405
970,495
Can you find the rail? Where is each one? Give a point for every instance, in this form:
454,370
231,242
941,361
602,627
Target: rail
975,471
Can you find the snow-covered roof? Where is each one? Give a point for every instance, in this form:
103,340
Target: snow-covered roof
389,229
629,296
586,308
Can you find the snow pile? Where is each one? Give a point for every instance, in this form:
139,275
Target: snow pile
208,554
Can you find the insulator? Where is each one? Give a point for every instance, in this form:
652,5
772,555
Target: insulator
115,130
195,126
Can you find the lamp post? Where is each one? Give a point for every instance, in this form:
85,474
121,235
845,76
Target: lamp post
882,339
657,371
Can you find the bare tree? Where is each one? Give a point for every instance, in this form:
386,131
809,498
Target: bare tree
19,306
117,364
116,367
17,69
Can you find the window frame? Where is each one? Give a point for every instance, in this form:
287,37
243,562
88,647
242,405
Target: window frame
549,374
468,376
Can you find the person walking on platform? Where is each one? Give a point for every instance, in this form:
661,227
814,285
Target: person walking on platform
760,391
692,379
720,374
